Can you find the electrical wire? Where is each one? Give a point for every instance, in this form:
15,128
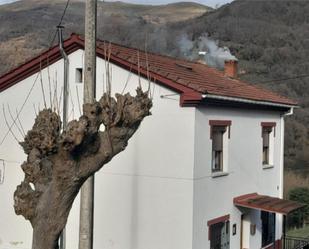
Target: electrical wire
60,22
284,79
20,110
30,91
263,82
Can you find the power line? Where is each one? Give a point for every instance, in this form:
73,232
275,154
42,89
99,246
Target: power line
264,82
284,79
60,22
20,110
28,95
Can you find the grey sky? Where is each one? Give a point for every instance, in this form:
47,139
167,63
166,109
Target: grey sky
6,1
211,3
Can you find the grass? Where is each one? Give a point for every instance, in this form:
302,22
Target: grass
301,232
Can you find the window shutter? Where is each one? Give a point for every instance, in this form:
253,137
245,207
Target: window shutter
266,131
217,140
265,139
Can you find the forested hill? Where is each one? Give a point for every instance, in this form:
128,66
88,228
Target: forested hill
270,39
27,26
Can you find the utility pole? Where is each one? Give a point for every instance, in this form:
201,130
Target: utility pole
66,64
87,190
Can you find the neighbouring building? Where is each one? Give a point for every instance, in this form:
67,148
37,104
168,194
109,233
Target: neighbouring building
204,171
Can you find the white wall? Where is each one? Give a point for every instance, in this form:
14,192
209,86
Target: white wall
15,231
158,193
213,197
143,197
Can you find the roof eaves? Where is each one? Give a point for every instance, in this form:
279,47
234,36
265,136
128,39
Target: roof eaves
37,63
190,95
251,101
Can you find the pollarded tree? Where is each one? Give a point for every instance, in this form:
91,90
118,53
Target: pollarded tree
58,163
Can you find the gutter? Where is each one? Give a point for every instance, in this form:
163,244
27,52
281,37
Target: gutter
281,164
248,101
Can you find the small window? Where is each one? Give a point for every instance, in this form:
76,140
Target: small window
79,75
268,133
220,132
217,148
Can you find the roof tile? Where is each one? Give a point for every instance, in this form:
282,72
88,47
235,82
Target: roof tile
177,73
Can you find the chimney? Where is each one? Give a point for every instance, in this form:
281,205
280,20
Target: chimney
201,57
231,68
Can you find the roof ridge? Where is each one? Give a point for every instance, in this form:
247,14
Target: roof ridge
191,80
151,53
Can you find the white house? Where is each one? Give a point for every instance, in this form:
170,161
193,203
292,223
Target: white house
204,171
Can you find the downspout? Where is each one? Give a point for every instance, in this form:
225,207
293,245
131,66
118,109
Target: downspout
65,79
282,125
65,104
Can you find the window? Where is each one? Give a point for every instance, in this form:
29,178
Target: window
79,75
268,228
217,148
219,233
220,132
268,133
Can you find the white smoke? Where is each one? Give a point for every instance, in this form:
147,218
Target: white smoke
215,56
186,46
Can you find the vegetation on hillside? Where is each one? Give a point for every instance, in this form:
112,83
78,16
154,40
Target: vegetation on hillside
299,218
27,27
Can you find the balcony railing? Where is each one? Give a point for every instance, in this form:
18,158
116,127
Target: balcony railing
295,243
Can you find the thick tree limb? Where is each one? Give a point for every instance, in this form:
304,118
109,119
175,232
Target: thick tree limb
59,163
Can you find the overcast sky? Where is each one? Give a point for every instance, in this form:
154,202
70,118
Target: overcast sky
211,3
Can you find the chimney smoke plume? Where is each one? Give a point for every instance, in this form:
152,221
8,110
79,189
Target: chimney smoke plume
214,56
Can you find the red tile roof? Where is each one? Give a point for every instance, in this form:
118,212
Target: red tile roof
190,79
267,203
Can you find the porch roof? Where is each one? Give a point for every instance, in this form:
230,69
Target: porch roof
267,203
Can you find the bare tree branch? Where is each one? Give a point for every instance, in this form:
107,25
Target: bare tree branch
58,162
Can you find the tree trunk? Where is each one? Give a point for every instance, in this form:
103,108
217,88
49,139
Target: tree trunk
44,239
58,163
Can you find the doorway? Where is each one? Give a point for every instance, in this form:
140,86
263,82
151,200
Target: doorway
268,228
220,235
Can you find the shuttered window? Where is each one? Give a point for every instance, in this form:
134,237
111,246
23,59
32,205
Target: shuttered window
217,148
220,132
268,134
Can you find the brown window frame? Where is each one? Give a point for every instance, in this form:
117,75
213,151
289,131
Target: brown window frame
220,126
267,128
